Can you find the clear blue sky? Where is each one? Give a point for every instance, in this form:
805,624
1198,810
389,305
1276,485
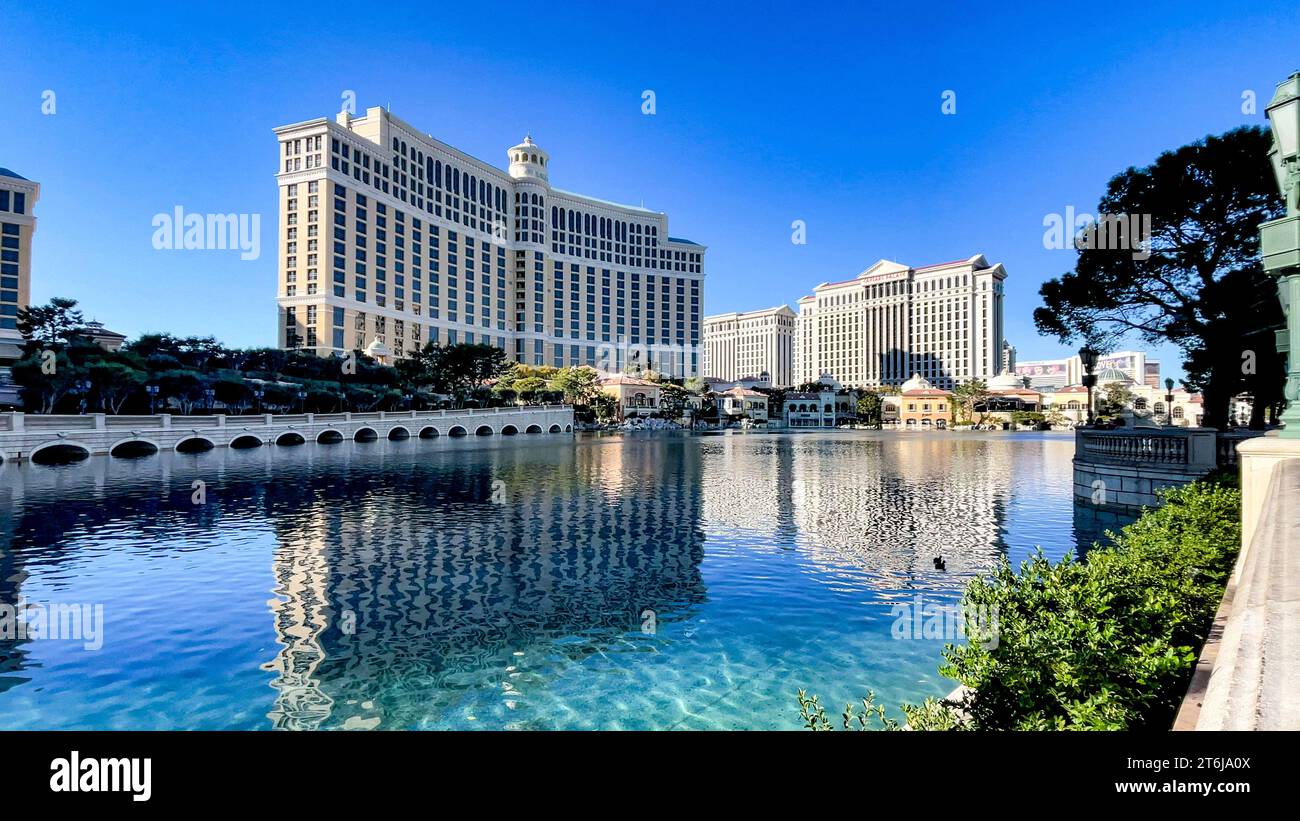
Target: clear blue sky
765,114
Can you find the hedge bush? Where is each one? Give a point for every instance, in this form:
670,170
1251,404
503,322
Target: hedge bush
1107,643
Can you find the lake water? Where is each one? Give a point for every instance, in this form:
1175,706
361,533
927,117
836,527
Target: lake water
643,581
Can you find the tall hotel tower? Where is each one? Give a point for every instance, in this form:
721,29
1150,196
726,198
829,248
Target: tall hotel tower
18,197
390,239
749,344
892,321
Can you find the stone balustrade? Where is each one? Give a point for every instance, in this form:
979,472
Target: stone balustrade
38,436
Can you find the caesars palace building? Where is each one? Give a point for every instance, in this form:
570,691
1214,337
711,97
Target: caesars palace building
390,239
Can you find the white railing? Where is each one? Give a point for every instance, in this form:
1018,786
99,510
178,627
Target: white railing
18,422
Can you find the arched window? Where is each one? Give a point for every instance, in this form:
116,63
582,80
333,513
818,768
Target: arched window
1178,411
1139,404
1160,407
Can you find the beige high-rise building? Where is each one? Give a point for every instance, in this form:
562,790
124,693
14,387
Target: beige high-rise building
751,343
390,239
18,196
892,321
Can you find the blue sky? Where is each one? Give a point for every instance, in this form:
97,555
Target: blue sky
766,114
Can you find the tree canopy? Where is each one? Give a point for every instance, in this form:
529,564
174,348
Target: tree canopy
1198,283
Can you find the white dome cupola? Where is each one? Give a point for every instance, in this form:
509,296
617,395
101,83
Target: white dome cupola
527,161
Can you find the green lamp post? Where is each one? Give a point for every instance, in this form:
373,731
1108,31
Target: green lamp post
1279,239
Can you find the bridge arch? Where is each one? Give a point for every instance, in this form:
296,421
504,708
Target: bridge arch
59,452
399,432
329,437
509,430
484,430
457,430
133,448
195,444
290,438
429,432
533,429
365,434
246,441
555,429
568,428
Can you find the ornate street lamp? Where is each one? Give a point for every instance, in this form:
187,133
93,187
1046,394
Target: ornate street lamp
302,401
210,396
1088,357
1279,239
152,390
1169,403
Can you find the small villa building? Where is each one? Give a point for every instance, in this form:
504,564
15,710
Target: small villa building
922,406
743,403
635,396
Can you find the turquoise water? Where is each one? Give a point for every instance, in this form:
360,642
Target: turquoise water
644,581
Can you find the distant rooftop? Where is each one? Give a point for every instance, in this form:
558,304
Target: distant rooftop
5,172
683,241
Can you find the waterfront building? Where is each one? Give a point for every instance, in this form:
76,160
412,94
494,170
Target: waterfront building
1058,373
390,239
743,403
18,196
746,346
635,396
1146,406
919,404
943,322
819,409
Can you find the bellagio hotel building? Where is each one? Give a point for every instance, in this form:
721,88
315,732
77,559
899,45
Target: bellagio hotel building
892,321
390,239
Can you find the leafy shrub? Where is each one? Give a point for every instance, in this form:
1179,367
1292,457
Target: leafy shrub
1107,643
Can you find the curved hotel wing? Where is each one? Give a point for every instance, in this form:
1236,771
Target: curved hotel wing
390,239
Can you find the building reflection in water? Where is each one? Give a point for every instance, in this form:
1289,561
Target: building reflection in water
410,578
423,588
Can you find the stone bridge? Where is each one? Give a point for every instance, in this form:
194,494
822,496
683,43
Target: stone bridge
52,438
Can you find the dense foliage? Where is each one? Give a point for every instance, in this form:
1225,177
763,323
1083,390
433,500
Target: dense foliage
1106,643
64,371
1198,283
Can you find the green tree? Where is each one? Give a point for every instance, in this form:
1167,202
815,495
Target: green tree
672,400
1198,282
53,323
869,407
114,383
1114,399
529,388
47,378
578,385
696,385
967,396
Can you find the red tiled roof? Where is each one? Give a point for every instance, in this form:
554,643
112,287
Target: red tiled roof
628,380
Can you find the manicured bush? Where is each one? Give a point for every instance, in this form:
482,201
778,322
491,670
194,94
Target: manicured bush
1107,643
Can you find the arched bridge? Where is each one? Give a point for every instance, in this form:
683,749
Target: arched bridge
52,438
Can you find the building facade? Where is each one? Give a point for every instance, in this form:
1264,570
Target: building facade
634,396
390,239
1047,374
744,346
943,322
18,196
739,403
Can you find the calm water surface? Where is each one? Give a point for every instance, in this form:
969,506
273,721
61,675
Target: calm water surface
638,582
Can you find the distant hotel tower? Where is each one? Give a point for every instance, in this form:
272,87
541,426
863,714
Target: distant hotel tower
18,197
390,239
742,345
892,321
